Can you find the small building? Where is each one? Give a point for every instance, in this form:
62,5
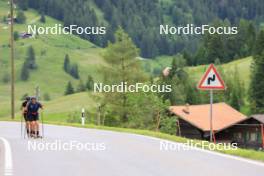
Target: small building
229,125
25,35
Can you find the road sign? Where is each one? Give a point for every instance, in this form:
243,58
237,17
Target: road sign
211,80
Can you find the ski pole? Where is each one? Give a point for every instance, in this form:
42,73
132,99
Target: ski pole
21,127
25,132
42,121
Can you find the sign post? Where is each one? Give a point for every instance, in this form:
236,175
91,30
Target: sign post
211,114
211,80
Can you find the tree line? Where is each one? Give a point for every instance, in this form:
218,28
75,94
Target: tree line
81,87
141,20
149,110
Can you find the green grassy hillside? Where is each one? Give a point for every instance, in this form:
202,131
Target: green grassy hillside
196,72
63,108
242,65
50,76
50,51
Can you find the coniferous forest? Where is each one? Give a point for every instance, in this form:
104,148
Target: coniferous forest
141,20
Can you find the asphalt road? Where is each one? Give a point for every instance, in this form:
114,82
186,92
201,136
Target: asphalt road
102,153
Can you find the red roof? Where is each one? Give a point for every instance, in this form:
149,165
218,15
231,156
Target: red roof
258,117
198,115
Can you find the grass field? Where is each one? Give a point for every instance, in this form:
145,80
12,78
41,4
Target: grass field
196,72
50,52
50,76
242,65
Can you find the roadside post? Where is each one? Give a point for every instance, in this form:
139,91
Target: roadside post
211,81
262,135
37,93
83,117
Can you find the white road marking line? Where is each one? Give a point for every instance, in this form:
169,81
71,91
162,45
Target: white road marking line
250,161
8,158
259,163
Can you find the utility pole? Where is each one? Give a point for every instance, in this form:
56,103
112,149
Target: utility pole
12,60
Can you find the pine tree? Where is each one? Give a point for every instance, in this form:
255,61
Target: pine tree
74,72
67,65
42,18
238,91
125,68
235,100
31,59
23,4
90,83
215,48
178,80
257,75
251,37
81,87
24,72
16,35
21,18
69,89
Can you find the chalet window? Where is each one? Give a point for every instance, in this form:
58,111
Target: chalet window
246,136
253,136
238,136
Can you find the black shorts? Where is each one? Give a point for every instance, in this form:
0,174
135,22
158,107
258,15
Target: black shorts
33,117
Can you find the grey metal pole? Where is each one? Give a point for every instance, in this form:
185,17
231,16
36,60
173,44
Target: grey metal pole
211,114
38,93
21,127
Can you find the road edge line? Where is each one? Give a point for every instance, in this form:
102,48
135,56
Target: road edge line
206,151
8,165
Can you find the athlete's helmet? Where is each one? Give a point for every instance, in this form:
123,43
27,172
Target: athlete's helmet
33,98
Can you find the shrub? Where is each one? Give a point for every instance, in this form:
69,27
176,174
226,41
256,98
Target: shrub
46,97
168,125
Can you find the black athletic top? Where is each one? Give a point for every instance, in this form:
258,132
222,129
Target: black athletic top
24,105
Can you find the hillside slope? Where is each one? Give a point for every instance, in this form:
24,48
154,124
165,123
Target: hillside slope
196,72
50,51
50,76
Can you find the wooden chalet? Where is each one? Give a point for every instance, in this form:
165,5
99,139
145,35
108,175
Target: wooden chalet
229,125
